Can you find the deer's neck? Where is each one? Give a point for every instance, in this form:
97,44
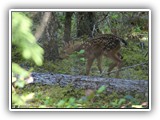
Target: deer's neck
78,47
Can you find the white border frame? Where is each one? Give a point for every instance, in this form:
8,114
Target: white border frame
82,10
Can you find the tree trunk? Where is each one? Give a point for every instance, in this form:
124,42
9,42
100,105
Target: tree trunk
86,23
67,26
50,39
40,29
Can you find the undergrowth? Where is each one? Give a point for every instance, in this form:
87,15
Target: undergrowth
47,96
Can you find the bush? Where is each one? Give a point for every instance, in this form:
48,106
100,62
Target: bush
25,43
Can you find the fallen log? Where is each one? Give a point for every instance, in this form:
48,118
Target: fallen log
91,82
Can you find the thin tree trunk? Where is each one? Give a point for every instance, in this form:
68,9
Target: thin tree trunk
85,23
50,39
42,25
67,26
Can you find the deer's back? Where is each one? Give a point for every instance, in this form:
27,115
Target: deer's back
101,43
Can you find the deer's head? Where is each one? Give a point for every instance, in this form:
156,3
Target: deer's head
68,49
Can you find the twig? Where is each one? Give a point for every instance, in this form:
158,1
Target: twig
125,68
103,18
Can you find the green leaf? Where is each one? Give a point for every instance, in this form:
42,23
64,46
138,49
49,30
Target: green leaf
61,103
121,101
20,83
27,53
82,59
137,29
16,99
101,89
16,69
28,97
115,16
137,106
42,106
72,100
81,51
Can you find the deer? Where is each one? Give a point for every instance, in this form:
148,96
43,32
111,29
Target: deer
107,45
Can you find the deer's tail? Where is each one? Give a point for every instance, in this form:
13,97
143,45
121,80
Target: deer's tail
124,42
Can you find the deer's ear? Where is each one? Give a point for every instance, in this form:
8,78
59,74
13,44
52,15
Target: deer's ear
63,43
70,42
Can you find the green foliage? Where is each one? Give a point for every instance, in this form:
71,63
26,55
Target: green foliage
74,64
137,29
25,42
70,103
20,100
133,54
47,96
117,103
81,52
23,38
18,70
114,16
101,89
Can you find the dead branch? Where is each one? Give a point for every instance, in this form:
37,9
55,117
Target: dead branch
90,82
113,71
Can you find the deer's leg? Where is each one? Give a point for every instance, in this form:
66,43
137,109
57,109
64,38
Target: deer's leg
89,64
117,62
119,55
99,61
111,67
